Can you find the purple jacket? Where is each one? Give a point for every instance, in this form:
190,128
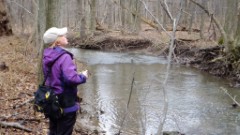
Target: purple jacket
63,76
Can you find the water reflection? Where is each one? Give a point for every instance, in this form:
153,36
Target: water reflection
196,104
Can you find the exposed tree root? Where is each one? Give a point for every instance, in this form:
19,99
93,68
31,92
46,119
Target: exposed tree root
212,60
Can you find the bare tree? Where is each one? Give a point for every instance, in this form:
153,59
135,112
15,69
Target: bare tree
92,16
123,14
52,13
41,28
230,26
48,16
186,13
235,48
136,19
216,22
82,19
202,22
191,18
5,27
110,15
159,11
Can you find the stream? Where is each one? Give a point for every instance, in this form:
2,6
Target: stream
196,104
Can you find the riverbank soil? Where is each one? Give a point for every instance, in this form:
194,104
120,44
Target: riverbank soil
18,71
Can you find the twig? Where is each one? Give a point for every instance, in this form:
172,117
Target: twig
233,98
129,98
22,7
155,18
165,3
4,117
20,105
137,14
15,125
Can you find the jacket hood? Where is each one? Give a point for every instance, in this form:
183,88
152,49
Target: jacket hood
51,54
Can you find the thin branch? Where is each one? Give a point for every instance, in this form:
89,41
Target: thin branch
129,98
165,9
22,7
15,125
130,95
233,98
165,108
219,26
155,18
5,117
23,103
184,11
169,13
137,14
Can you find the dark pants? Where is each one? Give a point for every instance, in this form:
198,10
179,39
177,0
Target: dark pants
64,125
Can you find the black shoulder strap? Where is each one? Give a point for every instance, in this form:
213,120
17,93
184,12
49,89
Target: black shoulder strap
50,68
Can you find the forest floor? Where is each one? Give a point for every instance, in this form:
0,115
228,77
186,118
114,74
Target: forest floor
18,70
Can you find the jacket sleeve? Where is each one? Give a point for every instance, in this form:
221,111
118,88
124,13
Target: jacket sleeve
69,72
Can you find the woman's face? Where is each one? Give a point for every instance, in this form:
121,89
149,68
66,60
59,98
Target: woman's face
63,41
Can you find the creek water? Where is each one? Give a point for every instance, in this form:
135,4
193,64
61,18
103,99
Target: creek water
196,104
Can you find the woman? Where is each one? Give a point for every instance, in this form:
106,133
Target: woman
61,73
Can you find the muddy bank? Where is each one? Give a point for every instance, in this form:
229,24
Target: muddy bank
113,43
211,59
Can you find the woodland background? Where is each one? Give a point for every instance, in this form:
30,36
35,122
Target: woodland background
214,19
174,23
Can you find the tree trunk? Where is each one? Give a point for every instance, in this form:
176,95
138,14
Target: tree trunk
92,16
185,15
48,16
159,12
202,20
123,15
192,10
129,17
110,14
231,14
52,14
82,19
5,27
235,48
21,15
41,29
86,5
62,13
136,19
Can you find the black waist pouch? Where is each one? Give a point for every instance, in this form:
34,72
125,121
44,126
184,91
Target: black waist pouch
67,99
47,102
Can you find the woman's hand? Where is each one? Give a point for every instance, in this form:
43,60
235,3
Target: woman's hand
85,73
